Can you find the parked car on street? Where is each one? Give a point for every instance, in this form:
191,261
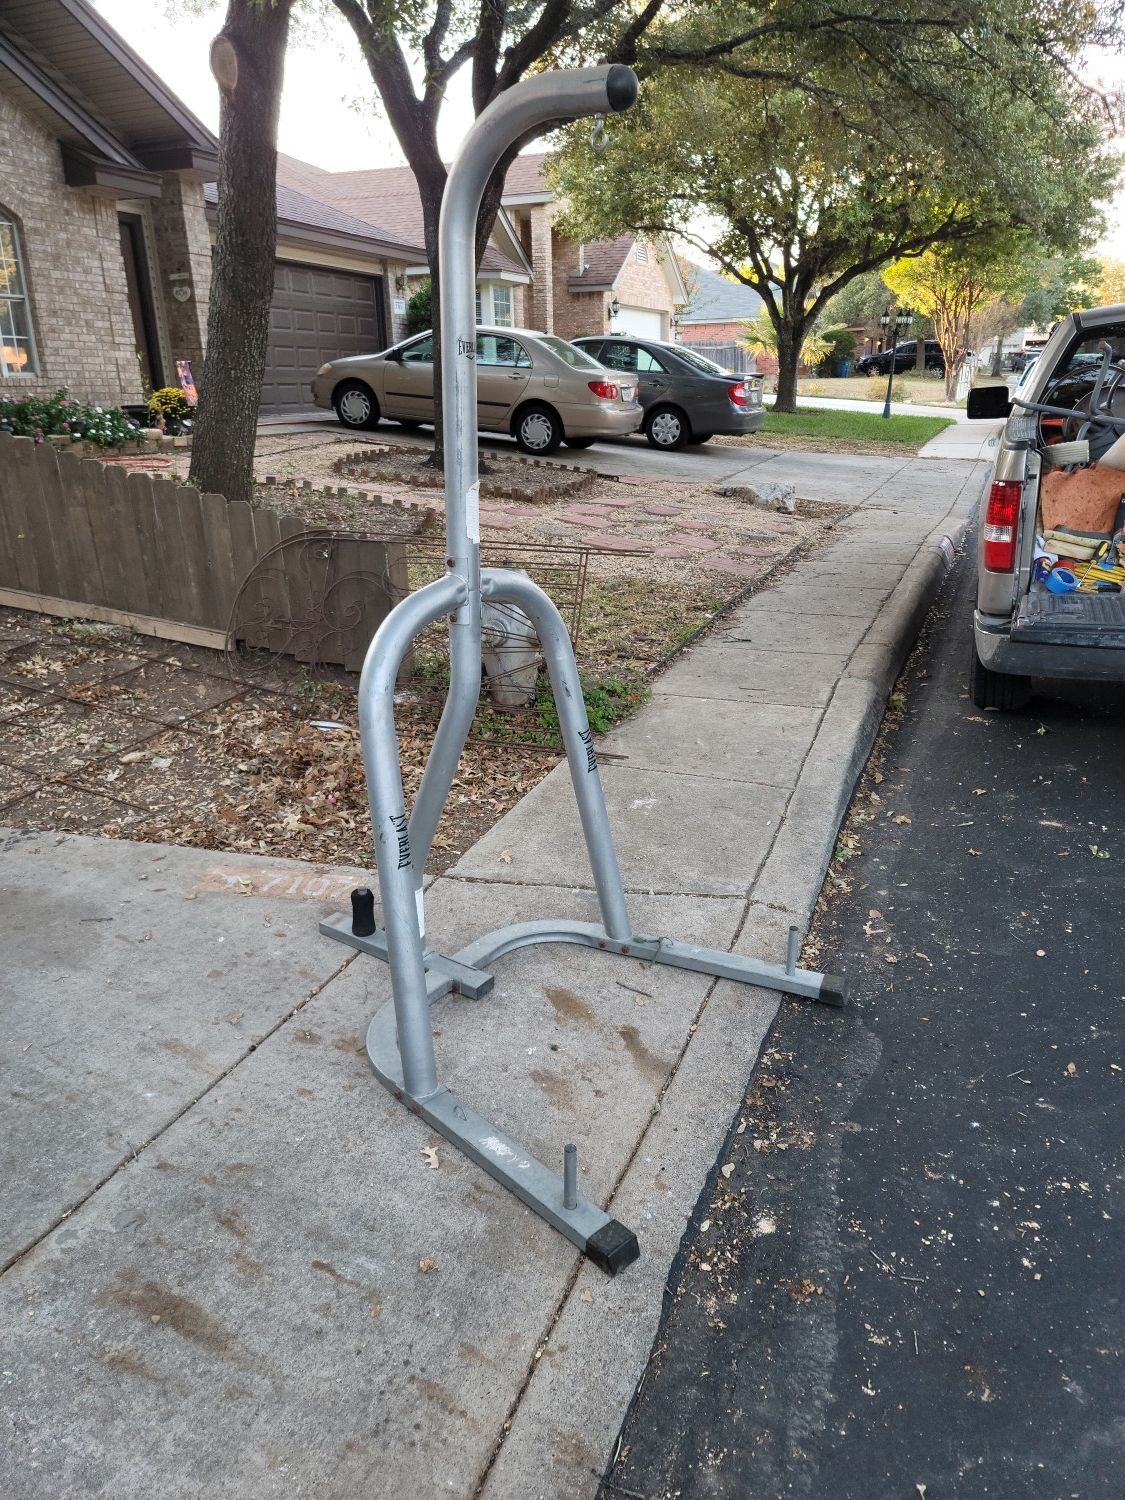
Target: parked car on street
539,388
1051,550
905,357
686,397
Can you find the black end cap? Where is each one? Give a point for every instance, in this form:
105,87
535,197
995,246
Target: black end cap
613,1248
833,989
621,87
363,912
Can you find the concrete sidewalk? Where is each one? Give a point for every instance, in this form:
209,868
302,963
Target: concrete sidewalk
231,1270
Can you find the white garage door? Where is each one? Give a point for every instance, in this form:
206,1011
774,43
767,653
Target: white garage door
641,322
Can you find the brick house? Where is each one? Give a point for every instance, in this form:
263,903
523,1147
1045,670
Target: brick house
530,276
107,207
104,250
624,285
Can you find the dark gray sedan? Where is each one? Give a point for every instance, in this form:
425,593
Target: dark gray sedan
686,398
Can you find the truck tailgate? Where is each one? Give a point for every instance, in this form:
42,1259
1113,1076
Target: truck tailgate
1071,620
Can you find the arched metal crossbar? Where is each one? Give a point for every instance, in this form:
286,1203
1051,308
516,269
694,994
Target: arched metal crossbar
400,1038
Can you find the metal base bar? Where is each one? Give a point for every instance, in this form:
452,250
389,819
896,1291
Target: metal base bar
608,1243
466,973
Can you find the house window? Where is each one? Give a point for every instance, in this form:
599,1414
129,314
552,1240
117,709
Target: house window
17,342
642,253
502,306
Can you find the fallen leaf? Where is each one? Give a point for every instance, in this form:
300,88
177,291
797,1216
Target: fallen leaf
585,1295
505,856
921,1488
980,791
927,958
728,1169
974,851
1042,729
889,958
900,818
1071,1070
430,1153
426,1265
132,757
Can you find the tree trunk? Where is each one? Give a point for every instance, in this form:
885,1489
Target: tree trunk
919,355
788,357
248,57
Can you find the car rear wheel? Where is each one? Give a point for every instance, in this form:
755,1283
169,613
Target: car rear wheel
999,690
356,406
585,442
537,430
667,427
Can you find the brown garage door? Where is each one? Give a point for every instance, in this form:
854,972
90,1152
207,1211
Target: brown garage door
316,315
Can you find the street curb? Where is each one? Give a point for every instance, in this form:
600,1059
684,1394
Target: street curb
795,868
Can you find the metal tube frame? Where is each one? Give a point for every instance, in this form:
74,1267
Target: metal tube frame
400,1037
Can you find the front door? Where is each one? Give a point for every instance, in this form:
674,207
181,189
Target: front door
503,370
139,288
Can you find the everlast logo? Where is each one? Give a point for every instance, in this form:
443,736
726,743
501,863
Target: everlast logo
591,758
467,347
402,833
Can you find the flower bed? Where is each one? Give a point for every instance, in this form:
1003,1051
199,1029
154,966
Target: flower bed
40,417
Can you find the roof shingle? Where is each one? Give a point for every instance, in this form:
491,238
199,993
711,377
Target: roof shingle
715,299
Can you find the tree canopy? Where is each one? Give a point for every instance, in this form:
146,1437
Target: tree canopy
828,159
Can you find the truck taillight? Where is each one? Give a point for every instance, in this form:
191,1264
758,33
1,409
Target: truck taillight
1000,522
738,393
605,389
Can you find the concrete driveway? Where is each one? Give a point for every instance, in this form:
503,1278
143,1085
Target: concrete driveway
849,477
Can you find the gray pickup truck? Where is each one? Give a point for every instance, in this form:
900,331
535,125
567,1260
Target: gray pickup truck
1022,628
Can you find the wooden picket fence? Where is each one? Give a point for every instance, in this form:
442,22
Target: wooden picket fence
94,541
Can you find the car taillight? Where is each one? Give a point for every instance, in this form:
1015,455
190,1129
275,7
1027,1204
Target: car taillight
737,393
605,389
1000,521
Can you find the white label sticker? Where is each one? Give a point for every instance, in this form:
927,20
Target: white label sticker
421,912
472,512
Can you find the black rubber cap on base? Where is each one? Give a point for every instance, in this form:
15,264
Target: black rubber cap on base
363,912
613,1248
833,990
621,87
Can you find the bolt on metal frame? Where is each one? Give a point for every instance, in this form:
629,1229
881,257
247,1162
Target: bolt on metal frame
400,1038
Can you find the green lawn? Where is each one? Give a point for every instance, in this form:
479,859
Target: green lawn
854,426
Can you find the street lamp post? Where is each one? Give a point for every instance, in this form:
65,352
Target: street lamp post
895,322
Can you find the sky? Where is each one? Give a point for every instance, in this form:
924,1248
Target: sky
330,113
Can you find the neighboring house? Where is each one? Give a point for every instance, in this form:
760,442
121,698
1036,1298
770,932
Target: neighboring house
530,275
624,285
107,219
104,252
717,307
388,196
337,280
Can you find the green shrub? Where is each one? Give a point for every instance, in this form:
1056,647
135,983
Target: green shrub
41,417
170,403
420,309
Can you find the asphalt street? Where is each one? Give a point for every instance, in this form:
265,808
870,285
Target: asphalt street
904,1278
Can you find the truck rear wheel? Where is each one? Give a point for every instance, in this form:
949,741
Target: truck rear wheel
998,690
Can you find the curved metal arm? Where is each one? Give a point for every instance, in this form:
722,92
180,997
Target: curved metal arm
535,102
